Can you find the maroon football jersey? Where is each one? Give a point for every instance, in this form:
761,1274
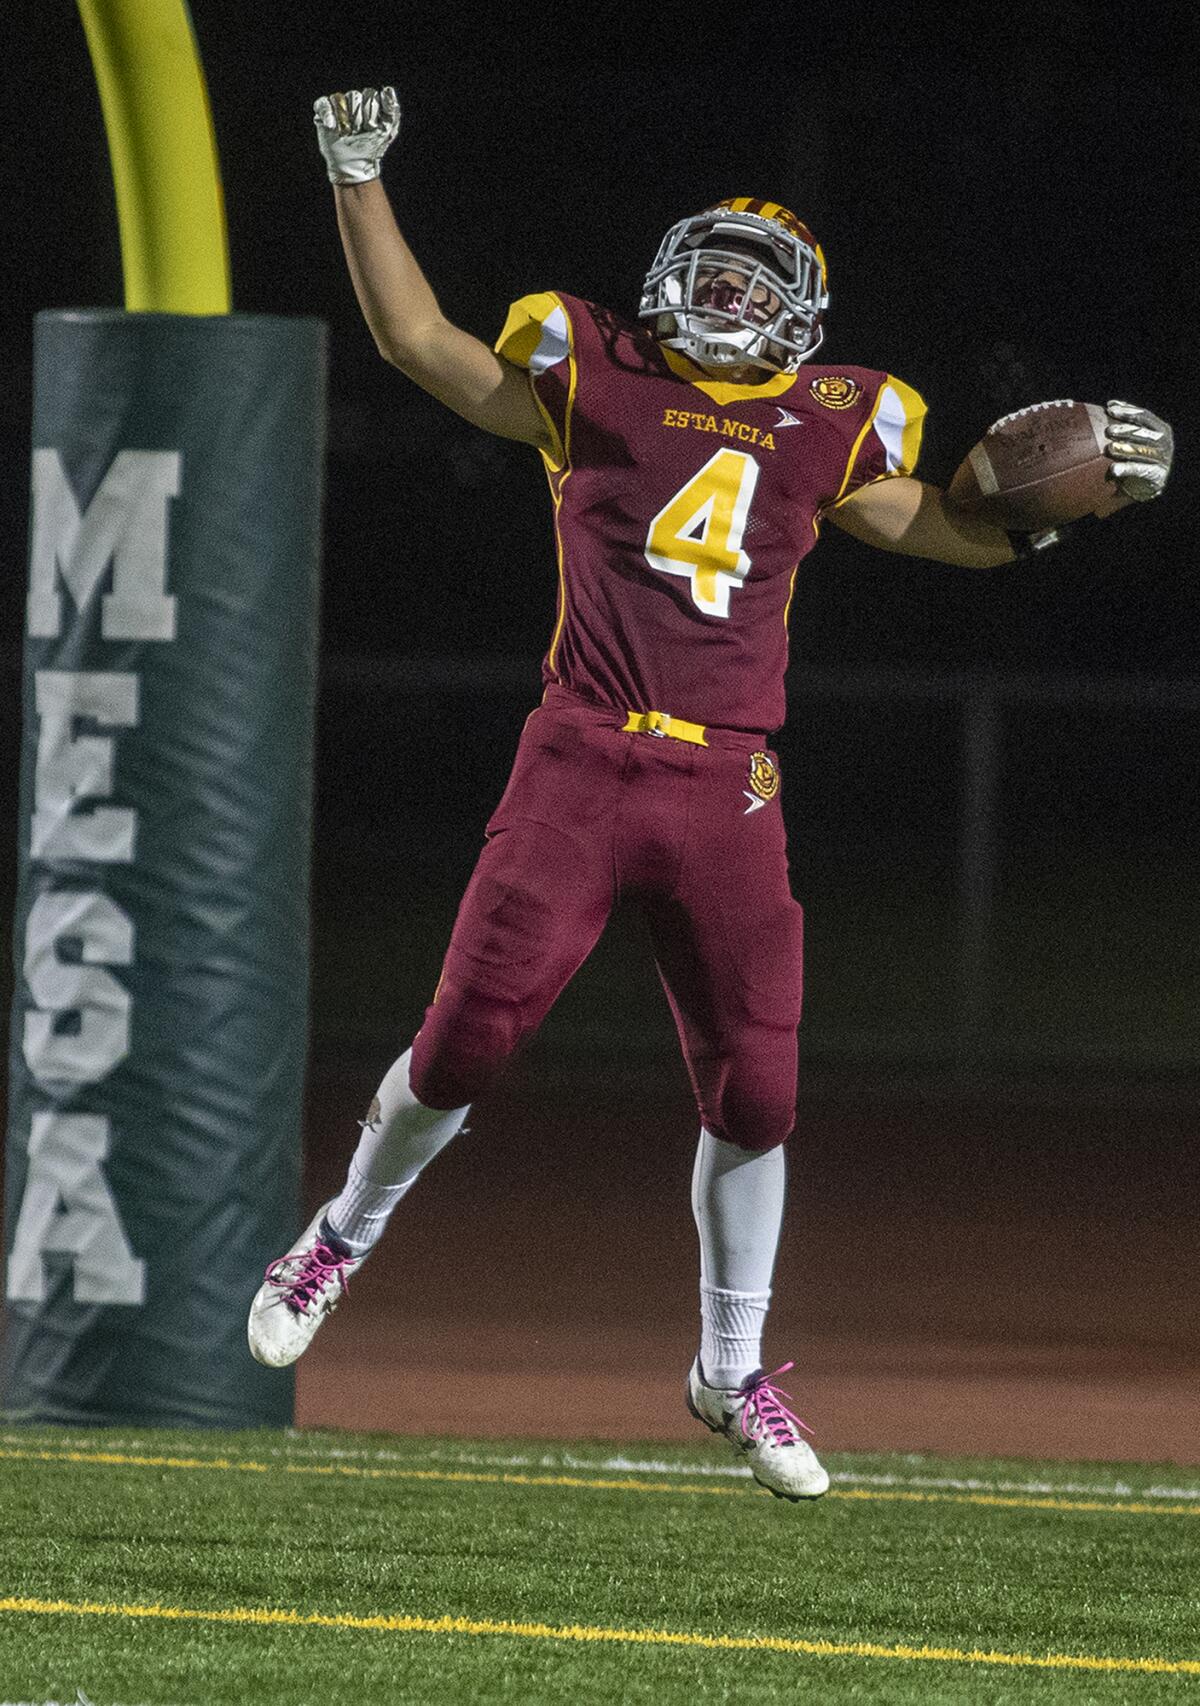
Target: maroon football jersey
683,506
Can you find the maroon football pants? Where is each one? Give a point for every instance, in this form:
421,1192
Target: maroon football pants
694,835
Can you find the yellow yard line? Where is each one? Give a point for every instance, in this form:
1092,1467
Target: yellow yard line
447,1625
475,1477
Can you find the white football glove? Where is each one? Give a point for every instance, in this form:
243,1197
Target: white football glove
355,130
1141,447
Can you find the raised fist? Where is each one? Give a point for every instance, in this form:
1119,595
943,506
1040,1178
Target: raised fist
355,129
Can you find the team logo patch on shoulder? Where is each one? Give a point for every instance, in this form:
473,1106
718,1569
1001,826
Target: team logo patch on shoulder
836,391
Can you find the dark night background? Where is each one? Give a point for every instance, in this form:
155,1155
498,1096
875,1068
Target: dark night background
1007,207
1007,202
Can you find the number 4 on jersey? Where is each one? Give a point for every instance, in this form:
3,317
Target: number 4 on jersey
699,531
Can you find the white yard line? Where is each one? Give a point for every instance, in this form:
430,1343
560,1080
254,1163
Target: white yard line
847,1477
616,1463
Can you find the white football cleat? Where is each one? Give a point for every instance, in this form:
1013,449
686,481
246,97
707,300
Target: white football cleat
299,1291
755,1419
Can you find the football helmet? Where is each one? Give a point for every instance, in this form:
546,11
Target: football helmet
741,283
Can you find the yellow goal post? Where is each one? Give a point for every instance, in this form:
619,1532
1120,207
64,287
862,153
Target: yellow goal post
170,208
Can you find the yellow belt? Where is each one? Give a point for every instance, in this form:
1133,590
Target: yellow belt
662,723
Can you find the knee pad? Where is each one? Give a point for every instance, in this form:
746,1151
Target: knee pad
755,1102
752,1123
466,1040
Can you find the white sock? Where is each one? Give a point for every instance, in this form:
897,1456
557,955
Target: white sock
731,1327
359,1215
400,1136
737,1201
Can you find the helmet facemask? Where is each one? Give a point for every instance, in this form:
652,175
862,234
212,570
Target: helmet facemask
735,289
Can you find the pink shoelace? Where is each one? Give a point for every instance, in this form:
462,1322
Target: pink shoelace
315,1269
765,1417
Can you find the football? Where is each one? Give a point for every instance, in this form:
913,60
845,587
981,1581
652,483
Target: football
1039,467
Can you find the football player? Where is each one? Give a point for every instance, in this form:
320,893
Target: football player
692,456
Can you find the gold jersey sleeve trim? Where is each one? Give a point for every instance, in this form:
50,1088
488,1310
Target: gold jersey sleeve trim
897,420
558,471
537,332
899,423
537,335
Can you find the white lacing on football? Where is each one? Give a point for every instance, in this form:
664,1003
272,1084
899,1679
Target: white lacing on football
1032,409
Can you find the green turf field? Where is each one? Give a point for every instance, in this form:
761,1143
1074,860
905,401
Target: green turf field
180,1569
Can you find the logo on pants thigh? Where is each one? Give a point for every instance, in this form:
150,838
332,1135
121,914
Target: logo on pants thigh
764,781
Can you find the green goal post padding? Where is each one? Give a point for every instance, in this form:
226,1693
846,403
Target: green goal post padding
159,1024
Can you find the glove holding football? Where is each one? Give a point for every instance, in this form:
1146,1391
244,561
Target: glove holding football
1140,447
355,130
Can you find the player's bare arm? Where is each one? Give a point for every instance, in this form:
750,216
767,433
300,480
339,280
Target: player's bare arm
410,331
906,515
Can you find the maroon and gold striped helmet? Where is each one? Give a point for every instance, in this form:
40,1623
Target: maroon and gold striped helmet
742,283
